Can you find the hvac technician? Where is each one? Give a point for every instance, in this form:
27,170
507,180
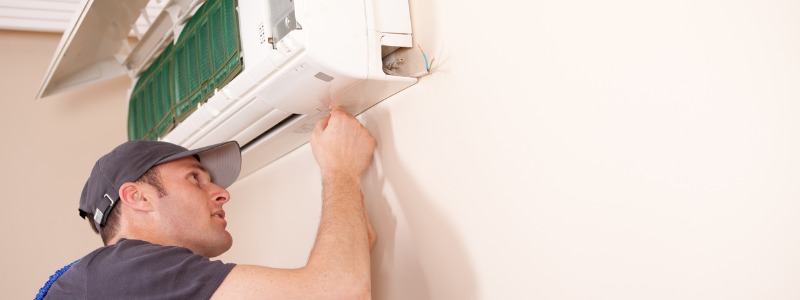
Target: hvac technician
159,210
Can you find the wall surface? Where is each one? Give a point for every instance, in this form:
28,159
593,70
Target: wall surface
49,148
573,150
560,150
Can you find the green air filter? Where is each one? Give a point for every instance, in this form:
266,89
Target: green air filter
205,57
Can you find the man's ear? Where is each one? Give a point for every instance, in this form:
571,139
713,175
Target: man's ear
135,197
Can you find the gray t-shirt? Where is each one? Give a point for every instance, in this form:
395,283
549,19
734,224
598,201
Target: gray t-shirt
133,269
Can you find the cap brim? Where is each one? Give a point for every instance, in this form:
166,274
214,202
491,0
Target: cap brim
223,161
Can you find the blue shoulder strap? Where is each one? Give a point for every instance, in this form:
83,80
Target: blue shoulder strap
51,280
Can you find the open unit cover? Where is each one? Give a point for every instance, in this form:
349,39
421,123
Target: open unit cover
261,72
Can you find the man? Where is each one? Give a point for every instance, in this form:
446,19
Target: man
159,210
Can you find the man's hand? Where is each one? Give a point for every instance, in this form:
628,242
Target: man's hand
341,146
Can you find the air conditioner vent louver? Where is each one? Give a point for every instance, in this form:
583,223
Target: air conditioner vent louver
272,130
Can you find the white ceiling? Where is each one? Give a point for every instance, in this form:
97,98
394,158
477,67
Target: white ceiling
54,15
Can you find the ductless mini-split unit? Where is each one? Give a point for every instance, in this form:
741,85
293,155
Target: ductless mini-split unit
261,72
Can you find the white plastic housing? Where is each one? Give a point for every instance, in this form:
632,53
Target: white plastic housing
288,81
334,60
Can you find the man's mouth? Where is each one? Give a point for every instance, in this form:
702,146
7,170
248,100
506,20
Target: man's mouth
219,214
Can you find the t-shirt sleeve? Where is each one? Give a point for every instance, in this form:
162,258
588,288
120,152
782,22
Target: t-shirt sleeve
147,271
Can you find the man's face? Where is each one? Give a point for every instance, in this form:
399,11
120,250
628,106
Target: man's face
191,213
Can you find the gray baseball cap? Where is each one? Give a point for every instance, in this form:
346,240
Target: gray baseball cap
131,160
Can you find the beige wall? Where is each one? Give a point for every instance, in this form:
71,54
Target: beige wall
49,147
562,150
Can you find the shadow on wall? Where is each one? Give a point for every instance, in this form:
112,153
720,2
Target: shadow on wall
418,254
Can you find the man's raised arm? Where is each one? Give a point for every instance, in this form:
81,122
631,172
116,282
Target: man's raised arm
339,264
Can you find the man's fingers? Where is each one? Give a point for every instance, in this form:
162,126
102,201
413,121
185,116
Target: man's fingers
322,123
338,109
341,144
338,116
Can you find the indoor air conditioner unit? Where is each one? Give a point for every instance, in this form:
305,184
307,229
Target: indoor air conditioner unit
261,72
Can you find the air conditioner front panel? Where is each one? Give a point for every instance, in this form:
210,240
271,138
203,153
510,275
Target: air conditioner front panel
87,51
